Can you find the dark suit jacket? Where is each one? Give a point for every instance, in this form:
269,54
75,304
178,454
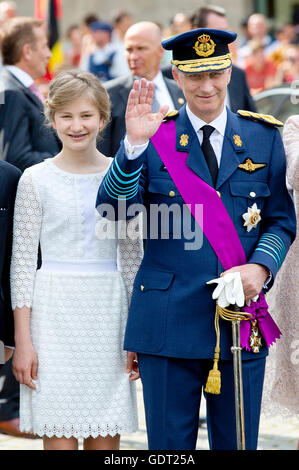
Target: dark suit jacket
119,90
9,177
24,139
238,91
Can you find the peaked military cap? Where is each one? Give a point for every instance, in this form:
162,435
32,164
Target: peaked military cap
201,50
100,26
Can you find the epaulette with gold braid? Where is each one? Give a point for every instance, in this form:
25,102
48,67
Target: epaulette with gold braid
264,118
172,115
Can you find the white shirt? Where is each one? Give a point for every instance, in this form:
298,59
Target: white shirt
217,135
22,76
161,92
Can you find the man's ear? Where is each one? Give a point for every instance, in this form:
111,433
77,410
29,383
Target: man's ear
26,51
229,75
175,75
161,50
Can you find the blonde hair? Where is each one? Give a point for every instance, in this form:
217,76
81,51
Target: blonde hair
72,84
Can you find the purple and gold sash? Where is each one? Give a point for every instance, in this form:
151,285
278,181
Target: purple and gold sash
220,231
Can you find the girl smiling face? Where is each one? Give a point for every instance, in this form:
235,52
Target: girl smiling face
78,107
78,124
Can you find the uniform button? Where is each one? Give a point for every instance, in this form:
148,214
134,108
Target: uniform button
252,194
142,288
219,193
171,193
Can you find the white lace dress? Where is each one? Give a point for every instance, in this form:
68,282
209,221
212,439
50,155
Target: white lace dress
281,387
79,300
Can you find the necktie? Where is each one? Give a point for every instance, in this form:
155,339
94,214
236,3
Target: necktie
36,91
209,153
155,103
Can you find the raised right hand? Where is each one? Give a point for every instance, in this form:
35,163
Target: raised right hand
141,124
24,365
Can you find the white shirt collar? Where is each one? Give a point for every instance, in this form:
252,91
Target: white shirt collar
219,123
22,76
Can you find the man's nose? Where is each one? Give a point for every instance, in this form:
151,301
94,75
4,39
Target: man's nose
206,86
133,55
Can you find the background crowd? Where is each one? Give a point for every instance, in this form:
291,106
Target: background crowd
269,56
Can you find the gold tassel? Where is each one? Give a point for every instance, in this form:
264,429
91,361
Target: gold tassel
213,384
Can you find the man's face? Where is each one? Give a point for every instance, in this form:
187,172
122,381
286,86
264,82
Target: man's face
205,92
39,54
143,55
101,37
216,21
257,27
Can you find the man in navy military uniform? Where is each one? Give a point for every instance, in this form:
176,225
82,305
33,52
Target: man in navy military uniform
238,157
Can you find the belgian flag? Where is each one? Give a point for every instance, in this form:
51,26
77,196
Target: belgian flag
51,12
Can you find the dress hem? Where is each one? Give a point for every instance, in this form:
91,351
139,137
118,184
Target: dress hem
77,435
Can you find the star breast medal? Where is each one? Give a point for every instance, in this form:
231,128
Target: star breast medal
252,217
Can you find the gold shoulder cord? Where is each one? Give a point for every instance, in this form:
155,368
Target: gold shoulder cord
213,384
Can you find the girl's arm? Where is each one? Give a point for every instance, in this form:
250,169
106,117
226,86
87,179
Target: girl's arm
26,235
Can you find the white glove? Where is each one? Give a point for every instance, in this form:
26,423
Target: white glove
229,290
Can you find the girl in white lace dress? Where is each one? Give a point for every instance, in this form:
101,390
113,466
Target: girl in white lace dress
70,315
281,390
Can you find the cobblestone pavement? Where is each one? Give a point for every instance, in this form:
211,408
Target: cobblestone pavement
275,434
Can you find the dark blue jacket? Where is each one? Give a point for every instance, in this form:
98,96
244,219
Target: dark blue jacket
9,177
172,310
24,139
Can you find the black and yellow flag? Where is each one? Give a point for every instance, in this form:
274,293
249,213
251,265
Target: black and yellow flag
51,12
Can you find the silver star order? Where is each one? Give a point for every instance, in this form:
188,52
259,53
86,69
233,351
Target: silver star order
252,217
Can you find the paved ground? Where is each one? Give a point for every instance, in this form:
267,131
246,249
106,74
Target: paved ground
275,434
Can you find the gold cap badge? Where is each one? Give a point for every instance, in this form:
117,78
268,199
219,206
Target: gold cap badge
204,46
184,140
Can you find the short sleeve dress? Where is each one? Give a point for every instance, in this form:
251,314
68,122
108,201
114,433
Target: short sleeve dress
79,300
